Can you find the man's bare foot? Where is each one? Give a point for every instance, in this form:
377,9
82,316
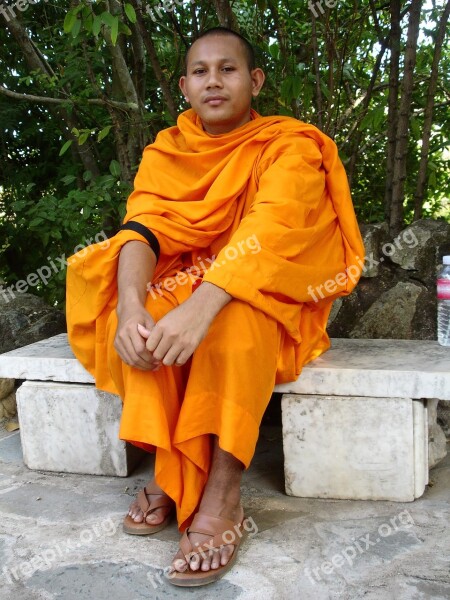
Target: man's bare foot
159,514
220,499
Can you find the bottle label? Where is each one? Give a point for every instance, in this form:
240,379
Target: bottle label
443,289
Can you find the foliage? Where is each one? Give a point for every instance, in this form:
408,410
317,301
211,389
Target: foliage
86,85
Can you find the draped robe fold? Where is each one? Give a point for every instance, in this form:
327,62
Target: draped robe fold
263,212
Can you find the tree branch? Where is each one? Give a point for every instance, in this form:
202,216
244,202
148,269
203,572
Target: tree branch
49,100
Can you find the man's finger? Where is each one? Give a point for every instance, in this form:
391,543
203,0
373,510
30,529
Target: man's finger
143,331
154,339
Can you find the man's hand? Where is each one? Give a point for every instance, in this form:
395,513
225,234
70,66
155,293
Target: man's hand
137,263
134,327
177,335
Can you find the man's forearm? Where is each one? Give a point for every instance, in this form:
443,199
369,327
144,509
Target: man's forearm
209,299
137,263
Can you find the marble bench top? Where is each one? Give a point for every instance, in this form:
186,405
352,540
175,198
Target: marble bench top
352,367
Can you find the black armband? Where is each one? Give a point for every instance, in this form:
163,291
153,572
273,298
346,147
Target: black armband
149,236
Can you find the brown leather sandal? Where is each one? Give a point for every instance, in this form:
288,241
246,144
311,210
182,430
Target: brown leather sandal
223,532
130,526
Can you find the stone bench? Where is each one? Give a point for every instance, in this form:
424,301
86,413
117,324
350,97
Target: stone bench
355,424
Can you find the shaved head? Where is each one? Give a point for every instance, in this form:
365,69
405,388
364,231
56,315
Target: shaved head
247,48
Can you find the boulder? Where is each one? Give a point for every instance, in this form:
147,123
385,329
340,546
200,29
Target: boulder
396,295
374,237
25,319
392,315
437,442
6,387
428,242
9,405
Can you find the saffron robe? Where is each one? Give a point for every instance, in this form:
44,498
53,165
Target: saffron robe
265,213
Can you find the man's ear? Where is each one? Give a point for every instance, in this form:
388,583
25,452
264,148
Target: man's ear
258,79
182,84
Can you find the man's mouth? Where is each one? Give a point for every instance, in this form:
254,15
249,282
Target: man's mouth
214,100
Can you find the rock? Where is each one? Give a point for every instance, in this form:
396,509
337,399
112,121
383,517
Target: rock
396,295
337,304
443,417
9,405
421,247
25,319
437,443
6,387
374,237
2,412
392,315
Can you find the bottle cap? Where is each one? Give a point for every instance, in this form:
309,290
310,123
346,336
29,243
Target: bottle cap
446,260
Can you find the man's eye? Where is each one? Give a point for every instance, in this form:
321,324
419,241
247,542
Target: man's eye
199,71
228,69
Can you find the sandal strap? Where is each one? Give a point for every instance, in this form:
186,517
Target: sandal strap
149,507
216,527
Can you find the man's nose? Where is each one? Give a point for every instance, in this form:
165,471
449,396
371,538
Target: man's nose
214,79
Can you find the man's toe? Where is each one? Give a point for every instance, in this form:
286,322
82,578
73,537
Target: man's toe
215,561
226,554
179,564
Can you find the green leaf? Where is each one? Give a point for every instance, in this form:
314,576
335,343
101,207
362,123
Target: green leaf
29,187
103,133
286,89
83,137
296,86
96,25
65,147
107,18
76,28
432,180
20,204
69,21
36,222
415,127
124,28
114,168
130,12
68,179
274,50
115,31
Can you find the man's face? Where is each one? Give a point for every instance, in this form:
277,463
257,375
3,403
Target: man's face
219,84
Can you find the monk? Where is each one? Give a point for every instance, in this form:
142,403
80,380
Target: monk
239,234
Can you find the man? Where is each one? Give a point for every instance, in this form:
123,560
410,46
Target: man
203,302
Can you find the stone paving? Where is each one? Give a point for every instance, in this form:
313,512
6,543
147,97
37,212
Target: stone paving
61,539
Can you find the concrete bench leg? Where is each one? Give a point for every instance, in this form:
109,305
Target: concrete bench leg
73,429
355,448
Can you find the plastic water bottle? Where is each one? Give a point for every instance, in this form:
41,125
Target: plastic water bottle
443,299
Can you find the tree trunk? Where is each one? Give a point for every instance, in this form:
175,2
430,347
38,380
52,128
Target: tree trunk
401,146
394,82
351,171
428,115
225,14
315,46
153,57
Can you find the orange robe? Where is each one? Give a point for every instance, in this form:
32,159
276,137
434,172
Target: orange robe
263,212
